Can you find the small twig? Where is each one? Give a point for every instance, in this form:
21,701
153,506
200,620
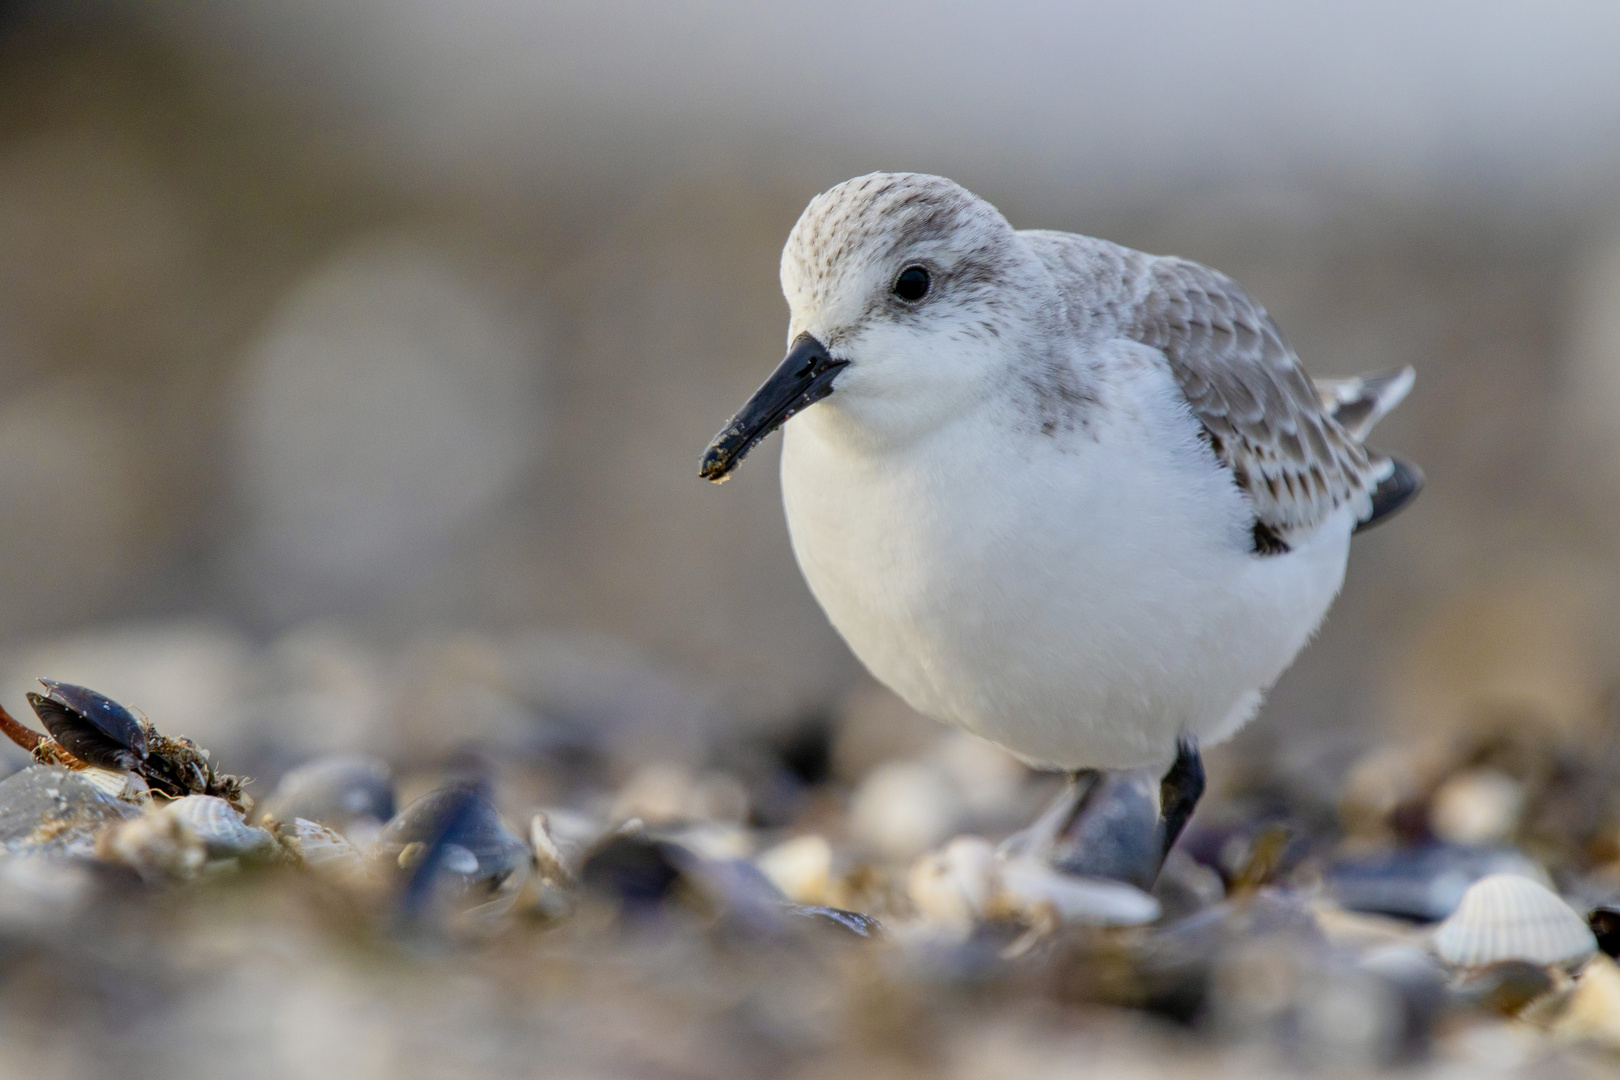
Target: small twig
27,738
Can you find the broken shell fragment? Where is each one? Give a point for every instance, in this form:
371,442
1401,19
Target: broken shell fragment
221,829
801,868
1027,888
155,845
952,886
1593,1012
47,810
327,852
120,785
92,727
1508,917
550,861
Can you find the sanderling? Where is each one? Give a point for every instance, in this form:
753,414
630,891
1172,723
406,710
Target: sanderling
1076,499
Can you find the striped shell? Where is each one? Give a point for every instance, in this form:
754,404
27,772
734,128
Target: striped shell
220,828
1508,917
321,847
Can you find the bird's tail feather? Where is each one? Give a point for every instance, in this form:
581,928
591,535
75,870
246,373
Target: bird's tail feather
1359,403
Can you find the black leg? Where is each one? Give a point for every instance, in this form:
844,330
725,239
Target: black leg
1179,793
1109,825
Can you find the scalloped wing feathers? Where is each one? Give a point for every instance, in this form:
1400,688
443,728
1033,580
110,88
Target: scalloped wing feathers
1279,433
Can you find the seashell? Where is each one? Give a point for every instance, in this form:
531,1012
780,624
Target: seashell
801,868
1026,888
1508,917
322,848
343,791
47,810
92,727
854,923
456,859
120,785
447,822
550,861
221,829
155,845
1593,1012
953,886
1115,834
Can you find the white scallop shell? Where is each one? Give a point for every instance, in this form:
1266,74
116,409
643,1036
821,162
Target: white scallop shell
220,828
1508,917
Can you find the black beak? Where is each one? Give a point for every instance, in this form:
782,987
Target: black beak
804,378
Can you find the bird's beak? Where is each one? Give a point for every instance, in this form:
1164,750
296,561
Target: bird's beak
805,377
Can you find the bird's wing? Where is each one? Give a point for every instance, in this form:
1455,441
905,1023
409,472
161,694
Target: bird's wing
1266,420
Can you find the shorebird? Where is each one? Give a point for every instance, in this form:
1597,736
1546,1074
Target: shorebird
1076,499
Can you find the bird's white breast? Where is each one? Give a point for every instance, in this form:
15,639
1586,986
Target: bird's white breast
1081,597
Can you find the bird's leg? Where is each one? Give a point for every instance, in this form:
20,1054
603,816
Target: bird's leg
1179,793
1040,839
1113,824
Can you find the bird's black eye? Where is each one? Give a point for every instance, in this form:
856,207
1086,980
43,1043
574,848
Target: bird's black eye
912,284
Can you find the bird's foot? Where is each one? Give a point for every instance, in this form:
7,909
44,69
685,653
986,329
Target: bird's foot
1115,824
1040,839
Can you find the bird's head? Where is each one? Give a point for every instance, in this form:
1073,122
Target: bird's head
909,293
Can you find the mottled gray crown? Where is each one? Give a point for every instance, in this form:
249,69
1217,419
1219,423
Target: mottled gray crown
871,219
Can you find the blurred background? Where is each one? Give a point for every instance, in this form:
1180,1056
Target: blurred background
356,357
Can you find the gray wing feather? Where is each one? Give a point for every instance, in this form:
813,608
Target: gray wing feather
1265,417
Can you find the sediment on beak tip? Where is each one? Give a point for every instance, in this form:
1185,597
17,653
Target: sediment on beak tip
804,377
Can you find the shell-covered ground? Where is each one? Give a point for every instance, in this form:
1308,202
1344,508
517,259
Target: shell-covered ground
825,905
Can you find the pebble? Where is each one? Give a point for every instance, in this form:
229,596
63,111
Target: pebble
903,808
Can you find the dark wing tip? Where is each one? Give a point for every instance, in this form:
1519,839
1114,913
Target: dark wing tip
1393,492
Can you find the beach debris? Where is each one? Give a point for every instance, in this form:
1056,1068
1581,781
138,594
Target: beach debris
90,730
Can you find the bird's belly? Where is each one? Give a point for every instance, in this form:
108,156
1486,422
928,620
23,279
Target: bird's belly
1045,609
